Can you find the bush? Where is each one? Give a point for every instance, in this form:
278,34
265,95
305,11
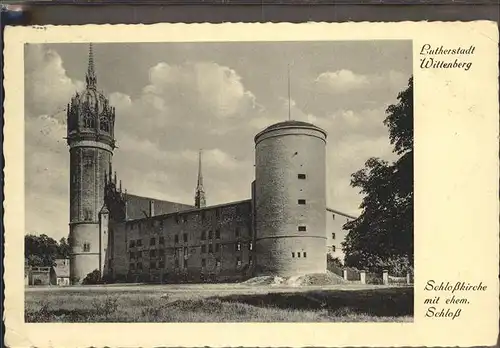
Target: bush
397,266
333,261
374,278
92,278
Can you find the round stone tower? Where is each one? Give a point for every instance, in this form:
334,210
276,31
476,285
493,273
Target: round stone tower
91,143
290,199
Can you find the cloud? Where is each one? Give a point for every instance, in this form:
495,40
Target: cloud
186,92
46,176
217,89
48,88
342,81
346,81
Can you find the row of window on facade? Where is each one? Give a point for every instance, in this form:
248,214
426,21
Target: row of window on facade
210,247
161,240
297,254
161,264
152,253
205,214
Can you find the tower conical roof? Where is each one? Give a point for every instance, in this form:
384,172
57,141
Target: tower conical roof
89,112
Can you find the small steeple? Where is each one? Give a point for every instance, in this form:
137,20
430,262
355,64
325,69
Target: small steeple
199,200
90,77
200,174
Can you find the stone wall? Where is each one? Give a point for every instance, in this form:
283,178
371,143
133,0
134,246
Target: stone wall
87,170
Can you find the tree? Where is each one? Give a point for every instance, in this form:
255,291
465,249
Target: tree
333,261
64,249
42,250
382,236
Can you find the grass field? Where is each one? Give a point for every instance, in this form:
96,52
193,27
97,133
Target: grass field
219,303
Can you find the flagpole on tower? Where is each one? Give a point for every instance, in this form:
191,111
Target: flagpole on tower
289,96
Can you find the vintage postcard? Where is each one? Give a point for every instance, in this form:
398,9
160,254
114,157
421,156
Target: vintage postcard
252,185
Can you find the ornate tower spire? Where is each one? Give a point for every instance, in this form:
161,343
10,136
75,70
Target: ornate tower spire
90,136
90,76
199,200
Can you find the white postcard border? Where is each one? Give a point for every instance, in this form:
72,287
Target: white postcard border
456,190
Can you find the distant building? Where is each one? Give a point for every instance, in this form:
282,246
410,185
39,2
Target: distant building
56,275
38,276
60,273
335,234
281,230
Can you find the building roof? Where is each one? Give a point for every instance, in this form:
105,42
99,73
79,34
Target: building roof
138,207
40,269
62,268
290,124
194,210
340,213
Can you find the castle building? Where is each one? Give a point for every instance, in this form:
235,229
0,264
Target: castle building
335,234
283,229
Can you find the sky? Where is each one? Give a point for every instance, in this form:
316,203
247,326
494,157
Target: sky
173,99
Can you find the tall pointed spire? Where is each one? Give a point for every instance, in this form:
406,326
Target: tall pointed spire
91,77
199,199
200,174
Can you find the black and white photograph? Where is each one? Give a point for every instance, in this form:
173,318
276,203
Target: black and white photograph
219,182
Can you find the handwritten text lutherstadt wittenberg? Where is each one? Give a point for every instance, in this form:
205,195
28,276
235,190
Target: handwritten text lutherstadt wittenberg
431,62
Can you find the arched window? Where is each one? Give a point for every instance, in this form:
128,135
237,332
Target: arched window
88,119
104,124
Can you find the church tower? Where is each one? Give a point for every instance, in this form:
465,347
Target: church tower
90,136
199,199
